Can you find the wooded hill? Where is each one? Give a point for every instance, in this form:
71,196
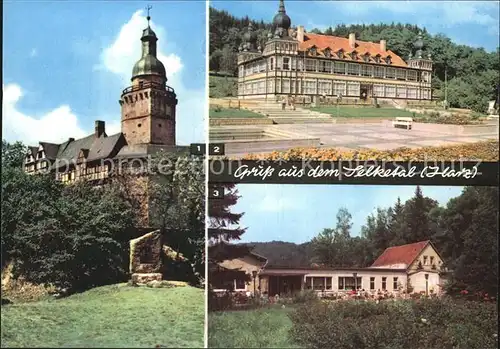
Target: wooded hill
473,74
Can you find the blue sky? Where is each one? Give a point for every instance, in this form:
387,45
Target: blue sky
473,23
66,63
297,213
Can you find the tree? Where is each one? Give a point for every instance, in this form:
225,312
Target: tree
228,60
476,265
13,154
223,229
397,225
417,218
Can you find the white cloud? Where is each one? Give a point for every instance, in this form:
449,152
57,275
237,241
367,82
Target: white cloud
273,203
120,57
53,126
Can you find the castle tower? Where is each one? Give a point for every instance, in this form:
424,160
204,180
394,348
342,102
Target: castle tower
148,106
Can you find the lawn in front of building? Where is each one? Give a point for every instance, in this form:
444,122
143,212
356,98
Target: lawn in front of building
257,328
232,113
110,317
363,112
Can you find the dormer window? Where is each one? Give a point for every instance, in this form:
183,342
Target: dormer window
388,60
40,155
327,52
313,51
354,55
340,54
377,58
366,57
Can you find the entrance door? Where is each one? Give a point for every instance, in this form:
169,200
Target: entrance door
364,92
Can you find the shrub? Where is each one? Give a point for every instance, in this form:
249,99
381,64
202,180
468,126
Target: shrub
410,324
304,296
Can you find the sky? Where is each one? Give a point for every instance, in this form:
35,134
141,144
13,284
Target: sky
297,213
66,63
473,23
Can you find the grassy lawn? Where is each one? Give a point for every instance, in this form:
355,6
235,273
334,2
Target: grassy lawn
363,112
109,316
258,328
233,113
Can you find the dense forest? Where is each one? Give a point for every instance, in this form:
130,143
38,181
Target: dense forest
465,232
473,74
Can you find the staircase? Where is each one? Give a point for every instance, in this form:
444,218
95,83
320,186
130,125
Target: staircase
274,112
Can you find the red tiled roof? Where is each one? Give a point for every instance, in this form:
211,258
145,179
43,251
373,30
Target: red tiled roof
336,43
404,254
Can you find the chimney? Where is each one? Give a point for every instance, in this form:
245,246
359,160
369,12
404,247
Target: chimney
300,33
71,139
99,128
352,40
383,45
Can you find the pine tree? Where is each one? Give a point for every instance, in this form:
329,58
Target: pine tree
417,217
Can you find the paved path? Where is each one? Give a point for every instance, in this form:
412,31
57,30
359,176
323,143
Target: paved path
372,135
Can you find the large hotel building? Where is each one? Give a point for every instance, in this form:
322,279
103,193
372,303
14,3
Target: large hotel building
293,62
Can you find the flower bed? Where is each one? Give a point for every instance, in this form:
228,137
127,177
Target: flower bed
486,151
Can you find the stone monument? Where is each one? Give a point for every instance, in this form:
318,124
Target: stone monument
145,258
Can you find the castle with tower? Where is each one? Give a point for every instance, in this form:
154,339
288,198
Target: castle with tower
305,65
147,126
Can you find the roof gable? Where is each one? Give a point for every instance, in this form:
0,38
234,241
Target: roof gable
400,255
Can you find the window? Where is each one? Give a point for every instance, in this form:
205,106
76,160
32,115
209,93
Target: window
384,283
324,87
390,73
261,87
313,51
432,259
390,91
310,65
388,60
270,86
325,66
262,66
366,70
241,71
378,72
348,283
239,284
286,63
340,54
412,93
255,68
401,92
411,75
353,69
395,283
378,90
400,74
285,86
366,57
271,63
354,55
339,68
372,283
425,260
309,87
339,88
426,94
353,89
327,52
319,283
377,58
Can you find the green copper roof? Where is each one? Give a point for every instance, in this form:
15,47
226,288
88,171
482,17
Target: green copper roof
149,64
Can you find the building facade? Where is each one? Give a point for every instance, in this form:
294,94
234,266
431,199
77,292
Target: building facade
415,267
306,65
148,115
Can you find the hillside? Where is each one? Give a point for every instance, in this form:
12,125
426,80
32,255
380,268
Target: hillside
109,316
284,254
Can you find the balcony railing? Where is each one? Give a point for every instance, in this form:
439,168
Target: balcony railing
148,85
